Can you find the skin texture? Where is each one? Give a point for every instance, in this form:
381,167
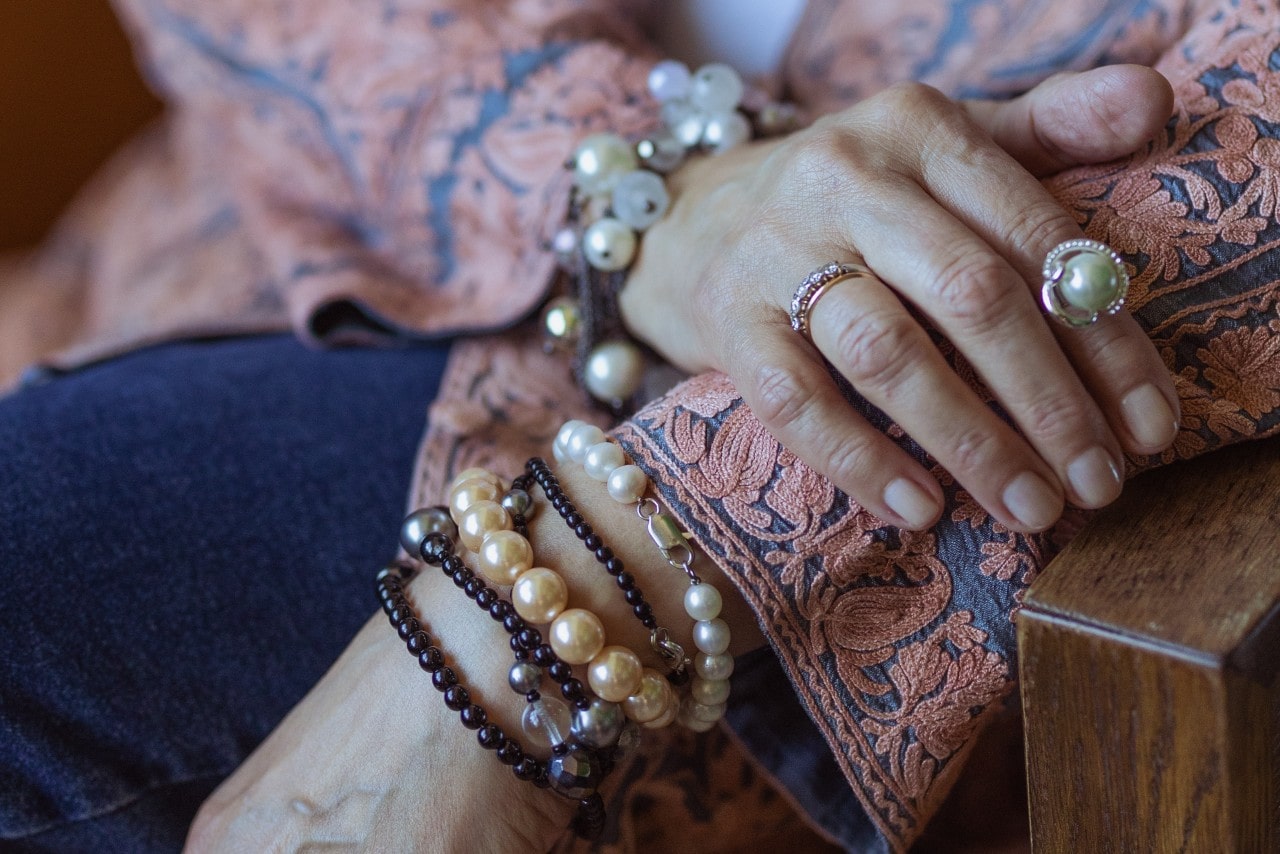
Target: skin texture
938,199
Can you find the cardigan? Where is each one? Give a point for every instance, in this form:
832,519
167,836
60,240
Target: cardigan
387,171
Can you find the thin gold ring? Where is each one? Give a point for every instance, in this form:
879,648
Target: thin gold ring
816,285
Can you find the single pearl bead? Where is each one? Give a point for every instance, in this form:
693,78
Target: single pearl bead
1089,281
614,371
599,160
697,725
474,473
560,447
468,492
669,79
609,244
709,691
539,595
524,676
665,719
684,121
661,151
640,199
546,723
598,725
627,484
651,699
713,666
601,459
503,555
711,636
418,524
614,674
479,519
691,708
715,88
577,636
723,131
562,321
702,601
581,440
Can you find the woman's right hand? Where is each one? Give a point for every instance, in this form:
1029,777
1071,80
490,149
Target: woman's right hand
941,201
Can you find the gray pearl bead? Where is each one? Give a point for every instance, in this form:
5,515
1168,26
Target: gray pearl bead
524,677
427,520
598,725
518,503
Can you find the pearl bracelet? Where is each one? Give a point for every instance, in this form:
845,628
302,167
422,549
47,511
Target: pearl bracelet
619,192
627,484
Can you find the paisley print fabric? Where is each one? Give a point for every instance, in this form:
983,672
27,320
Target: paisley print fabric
383,170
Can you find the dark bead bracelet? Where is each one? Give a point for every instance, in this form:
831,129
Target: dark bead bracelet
573,771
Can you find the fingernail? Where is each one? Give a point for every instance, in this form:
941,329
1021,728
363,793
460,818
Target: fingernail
1148,417
912,503
1094,478
1032,501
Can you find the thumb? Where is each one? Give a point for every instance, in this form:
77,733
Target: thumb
1076,118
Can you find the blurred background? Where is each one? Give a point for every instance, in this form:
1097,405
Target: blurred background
69,96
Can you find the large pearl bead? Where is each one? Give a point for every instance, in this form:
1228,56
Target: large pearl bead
716,88
652,698
581,440
614,674
692,709
503,556
1089,282
418,524
713,666
539,595
468,492
600,160
702,601
598,725
609,244
614,371
601,459
627,484
640,199
479,519
711,636
709,692
577,636
474,473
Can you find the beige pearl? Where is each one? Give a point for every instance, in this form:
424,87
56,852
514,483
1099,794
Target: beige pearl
474,474
469,492
503,555
665,719
615,673
479,519
577,635
651,700
539,595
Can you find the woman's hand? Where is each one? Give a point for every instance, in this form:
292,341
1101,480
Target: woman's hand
941,201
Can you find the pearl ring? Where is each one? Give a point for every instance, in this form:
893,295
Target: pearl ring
1083,279
815,285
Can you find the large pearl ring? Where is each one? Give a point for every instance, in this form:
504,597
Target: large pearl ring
1083,279
815,285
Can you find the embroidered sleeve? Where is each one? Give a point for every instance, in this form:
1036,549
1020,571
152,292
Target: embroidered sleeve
395,167
899,643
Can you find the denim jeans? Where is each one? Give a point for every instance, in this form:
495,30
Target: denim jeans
188,538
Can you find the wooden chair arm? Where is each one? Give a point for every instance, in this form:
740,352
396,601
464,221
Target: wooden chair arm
1149,655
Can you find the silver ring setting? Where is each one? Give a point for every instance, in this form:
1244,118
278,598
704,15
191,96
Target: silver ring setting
1083,280
815,285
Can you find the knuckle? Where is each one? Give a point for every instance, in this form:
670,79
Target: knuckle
973,286
876,349
1039,228
1051,416
850,459
781,396
974,449
912,99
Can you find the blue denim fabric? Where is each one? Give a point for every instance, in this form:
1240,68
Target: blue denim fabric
188,537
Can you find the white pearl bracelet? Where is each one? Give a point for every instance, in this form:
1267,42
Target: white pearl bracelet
627,484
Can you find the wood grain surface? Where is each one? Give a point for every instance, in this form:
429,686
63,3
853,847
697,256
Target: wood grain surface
1149,653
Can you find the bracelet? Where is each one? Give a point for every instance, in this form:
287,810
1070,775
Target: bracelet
618,192
627,484
574,773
